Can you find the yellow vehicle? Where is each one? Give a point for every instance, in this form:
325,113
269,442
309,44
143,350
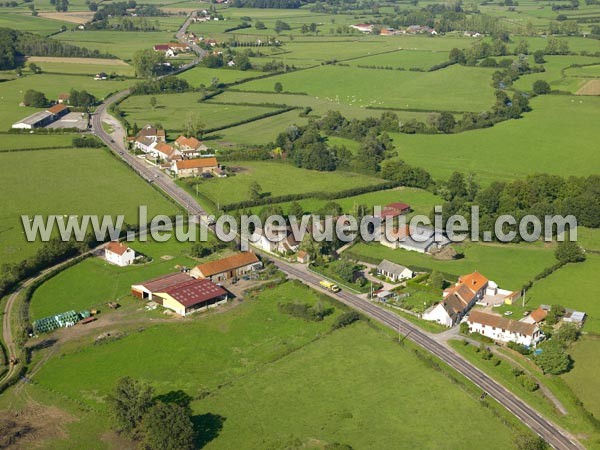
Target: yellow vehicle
330,286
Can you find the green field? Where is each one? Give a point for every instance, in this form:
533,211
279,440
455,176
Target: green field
509,265
118,43
471,87
573,286
584,72
203,75
172,110
405,59
12,92
267,370
278,179
27,22
67,182
581,378
34,141
64,66
538,142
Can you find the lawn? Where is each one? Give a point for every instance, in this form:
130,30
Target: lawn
573,286
585,72
267,371
172,110
12,92
513,149
78,66
405,59
509,265
471,87
68,181
278,179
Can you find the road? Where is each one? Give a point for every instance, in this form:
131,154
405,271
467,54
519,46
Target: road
550,432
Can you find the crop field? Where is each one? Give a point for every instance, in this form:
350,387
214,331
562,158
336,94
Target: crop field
171,111
572,286
11,92
121,44
260,357
82,66
492,153
67,183
287,180
527,260
388,88
38,25
591,87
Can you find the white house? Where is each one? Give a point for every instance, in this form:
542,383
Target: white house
502,329
417,239
119,254
363,27
394,272
275,240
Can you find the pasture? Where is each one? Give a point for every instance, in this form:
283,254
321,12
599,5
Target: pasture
204,76
172,111
542,141
67,182
471,87
27,22
405,59
262,362
572,286
82,66
276,179
34,141
581,378
492,260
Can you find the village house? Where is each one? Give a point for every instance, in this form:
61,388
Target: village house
189,147
119,254
387,32
394,272
172,49
233,266
458,300
302,257
473,34
147,138
536,316
64,98
101,76
193,167
417,239
502,329
164,151
275,240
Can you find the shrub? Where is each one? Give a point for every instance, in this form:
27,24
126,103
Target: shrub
345,319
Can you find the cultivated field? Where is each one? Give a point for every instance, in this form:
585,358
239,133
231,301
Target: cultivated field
591,87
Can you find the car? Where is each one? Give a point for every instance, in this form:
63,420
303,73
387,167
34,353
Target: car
508,313
157,175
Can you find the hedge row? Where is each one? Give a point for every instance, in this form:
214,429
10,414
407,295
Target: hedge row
251,119
316,195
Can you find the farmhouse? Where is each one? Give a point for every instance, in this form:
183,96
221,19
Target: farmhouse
147,289
189,147
418,239
192,167
64,98
394,272
119,254
191,296
164,151
233,266
458,300
275,240
42,118
502,329
302,257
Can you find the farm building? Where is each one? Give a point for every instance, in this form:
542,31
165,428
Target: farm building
536,316
416,239
64,98
192,167
147,289
42,118
231,267
191,295
502,329
119,254
393,271
363,27
394,210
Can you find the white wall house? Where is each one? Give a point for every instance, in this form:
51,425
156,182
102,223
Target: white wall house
502,329
119,254
394,272
441,314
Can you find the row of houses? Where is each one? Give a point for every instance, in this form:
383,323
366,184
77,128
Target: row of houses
185,293
43,118
172,49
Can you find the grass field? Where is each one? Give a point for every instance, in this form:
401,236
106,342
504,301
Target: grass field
267,370
34,141
67,182
278,179
79,66
572,286
172,110
585,72
12,92
27,22
118,43
492,260
471,87
203,75
581,378
515,148
405,59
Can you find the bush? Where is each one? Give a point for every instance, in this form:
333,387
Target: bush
87,142
345,319
304,311
541,87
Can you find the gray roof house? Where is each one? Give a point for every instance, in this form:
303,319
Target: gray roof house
395,272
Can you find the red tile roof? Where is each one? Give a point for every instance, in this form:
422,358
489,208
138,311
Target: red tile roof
116,247
230,263
475,281
164,282
194,292
539,314
57,108
197,163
